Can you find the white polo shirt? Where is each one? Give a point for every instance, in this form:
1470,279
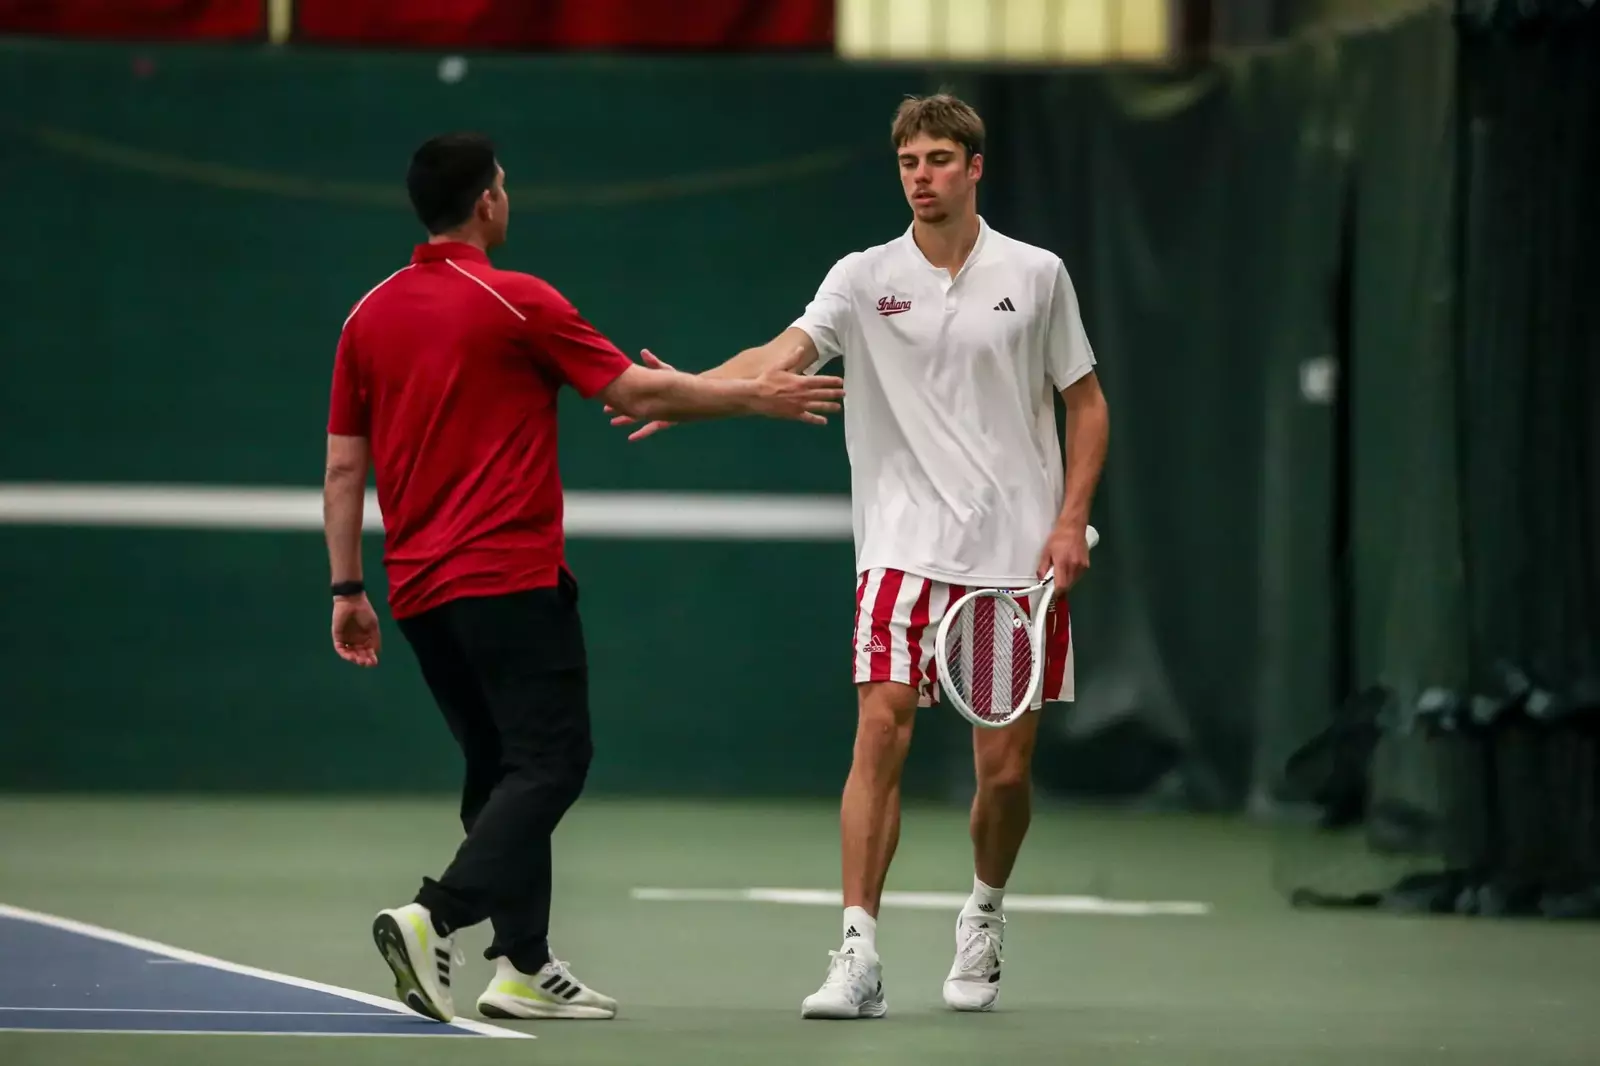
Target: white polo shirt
949,416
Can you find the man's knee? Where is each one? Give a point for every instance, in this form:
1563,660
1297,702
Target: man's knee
1004,778
1005,758
886,712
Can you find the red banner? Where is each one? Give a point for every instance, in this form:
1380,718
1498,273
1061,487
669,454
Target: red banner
561,25
136,19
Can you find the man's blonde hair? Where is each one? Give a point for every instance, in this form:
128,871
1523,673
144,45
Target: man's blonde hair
941,115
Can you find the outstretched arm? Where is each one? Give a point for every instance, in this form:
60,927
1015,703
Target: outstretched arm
774,390
779,351
568,344
805,350
793,349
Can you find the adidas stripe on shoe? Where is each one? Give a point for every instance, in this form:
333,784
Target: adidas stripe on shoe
420,959
553,992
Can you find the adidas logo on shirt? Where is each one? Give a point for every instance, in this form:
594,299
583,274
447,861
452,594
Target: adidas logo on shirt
1005,305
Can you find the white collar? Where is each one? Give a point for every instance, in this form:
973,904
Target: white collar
972,256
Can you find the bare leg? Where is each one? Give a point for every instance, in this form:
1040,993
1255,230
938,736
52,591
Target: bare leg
1003,806
869,830
1001,810
869,812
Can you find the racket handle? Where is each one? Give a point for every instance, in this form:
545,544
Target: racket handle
1090,534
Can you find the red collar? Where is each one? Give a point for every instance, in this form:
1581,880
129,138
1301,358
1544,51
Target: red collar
433,253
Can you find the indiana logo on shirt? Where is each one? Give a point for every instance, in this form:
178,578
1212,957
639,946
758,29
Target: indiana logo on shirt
890,306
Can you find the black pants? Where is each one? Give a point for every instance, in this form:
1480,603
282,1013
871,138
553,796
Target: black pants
510,675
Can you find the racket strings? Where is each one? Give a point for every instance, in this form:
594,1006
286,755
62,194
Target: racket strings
990,656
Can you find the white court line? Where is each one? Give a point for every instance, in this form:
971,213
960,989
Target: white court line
224,1032
818,897
181,1010
627,515
156,948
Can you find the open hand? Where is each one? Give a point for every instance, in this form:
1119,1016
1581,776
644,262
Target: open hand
799,397
355,630
654,363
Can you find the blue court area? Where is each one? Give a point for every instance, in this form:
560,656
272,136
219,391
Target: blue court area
63,976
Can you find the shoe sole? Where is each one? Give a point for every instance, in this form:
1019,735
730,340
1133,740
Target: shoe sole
970,1008
866,1011
525,1011
965,1009
408,988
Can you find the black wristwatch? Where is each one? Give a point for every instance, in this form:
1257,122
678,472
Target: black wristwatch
348,588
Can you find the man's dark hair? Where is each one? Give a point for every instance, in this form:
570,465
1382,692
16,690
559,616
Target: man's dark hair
446,177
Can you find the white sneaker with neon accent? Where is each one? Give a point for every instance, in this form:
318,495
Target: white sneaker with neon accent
974,979
420,958
853,987
551,993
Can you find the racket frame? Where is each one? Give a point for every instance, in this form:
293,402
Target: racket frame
1037,620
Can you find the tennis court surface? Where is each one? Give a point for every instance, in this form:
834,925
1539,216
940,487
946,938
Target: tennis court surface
191,932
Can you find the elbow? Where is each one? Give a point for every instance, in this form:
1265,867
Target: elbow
344,476
646,408
638,393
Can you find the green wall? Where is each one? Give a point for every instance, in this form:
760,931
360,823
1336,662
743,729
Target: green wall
190,232
192,238
189,235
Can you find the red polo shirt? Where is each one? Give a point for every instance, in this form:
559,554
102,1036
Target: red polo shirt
450,368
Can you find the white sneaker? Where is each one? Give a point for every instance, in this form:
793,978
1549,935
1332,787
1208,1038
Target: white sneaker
420,958
551,993
852,989
974,979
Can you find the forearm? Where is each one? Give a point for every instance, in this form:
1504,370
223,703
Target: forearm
753,362
750,363
343,498
1087,436
669,395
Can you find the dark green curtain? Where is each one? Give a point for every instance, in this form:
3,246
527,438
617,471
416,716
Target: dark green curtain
1468,783
1262,250
1529,430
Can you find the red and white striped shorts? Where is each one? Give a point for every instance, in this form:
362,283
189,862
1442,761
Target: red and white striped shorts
897,620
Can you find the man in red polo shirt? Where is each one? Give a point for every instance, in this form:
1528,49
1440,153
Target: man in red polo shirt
444,384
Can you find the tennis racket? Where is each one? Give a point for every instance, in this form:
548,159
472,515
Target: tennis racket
989,650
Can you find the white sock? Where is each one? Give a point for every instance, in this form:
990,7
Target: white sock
985,899
859,925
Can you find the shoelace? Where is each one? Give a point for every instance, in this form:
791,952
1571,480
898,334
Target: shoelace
980,951
560,967
845,969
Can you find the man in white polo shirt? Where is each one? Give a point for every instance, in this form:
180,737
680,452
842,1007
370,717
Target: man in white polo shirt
955,341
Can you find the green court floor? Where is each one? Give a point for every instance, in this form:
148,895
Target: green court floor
290,886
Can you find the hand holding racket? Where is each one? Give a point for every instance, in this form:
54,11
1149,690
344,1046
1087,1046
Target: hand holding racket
1066,555
990,649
